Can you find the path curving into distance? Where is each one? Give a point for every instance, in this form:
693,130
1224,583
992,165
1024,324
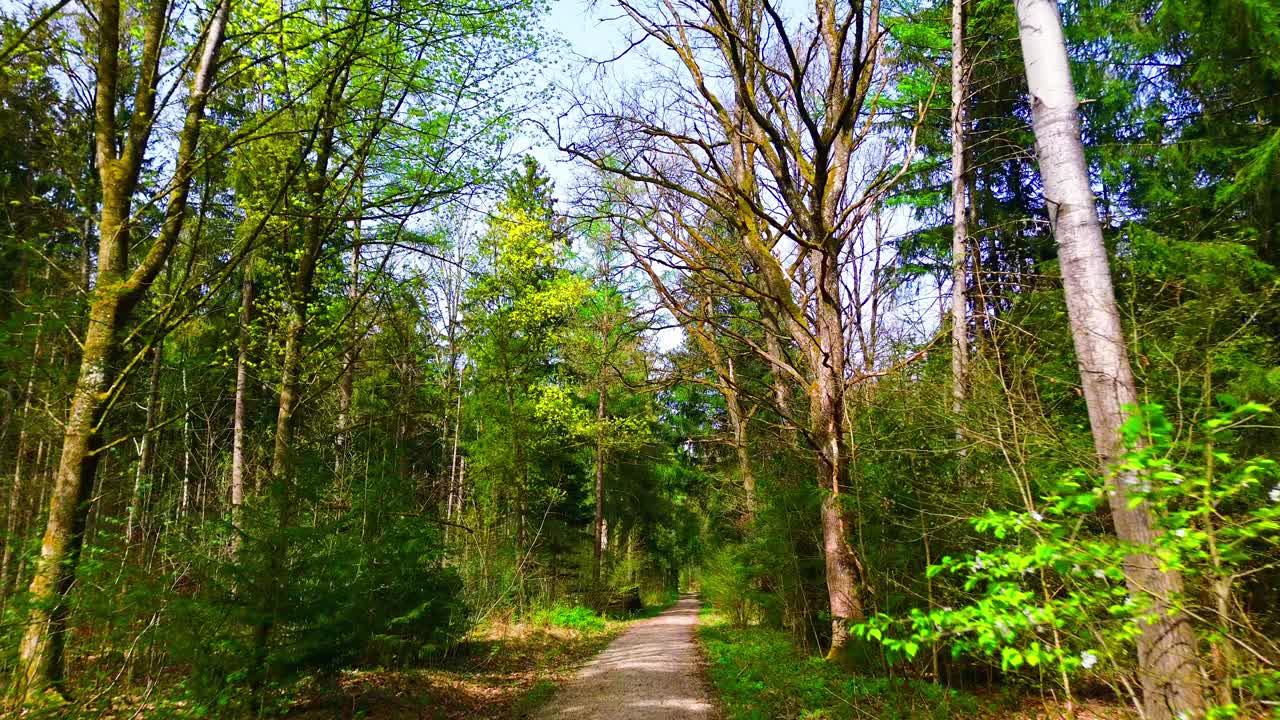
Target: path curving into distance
653,671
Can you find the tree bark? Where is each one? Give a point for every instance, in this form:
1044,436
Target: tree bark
296,304
844,571
241,404
959,214
1168,667
115,294
185,504
454,501
741,447
598,554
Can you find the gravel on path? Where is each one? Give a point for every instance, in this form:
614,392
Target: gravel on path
653,671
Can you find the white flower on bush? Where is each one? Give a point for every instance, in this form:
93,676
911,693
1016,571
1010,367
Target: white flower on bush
1275,494
1037,516
1088,659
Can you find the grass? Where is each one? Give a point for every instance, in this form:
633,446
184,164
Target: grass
571,618
759,674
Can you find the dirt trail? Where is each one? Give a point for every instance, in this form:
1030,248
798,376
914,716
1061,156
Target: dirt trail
652,671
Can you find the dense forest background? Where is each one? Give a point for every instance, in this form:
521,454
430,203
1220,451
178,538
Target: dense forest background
307,365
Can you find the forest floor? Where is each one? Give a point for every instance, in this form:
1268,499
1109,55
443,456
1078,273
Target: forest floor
503,673
654,670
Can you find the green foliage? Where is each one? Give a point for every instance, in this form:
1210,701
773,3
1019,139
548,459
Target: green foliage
761,675
576,617
343,601
729,582
1053,594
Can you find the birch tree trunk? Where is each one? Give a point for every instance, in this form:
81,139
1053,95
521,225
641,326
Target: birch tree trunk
115,294
1167,663
185,505
959,216
240,404
598,550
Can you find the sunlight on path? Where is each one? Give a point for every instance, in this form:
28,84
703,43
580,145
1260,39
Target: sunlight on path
652,671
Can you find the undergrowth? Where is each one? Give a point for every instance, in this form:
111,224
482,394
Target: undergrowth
759,674
571,618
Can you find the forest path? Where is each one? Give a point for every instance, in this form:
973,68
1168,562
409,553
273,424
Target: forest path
653,670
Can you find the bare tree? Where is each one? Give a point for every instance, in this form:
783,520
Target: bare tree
750,147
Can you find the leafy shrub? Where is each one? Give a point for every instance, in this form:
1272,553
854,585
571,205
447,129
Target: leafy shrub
728,584
1054,595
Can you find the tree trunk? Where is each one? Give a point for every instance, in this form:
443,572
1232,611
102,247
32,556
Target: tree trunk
112,300
296,305
185,505
454,501
842,565
295,314
240,403
40,653
598,555
959,216
778,380
1167,663
844,581
743,452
